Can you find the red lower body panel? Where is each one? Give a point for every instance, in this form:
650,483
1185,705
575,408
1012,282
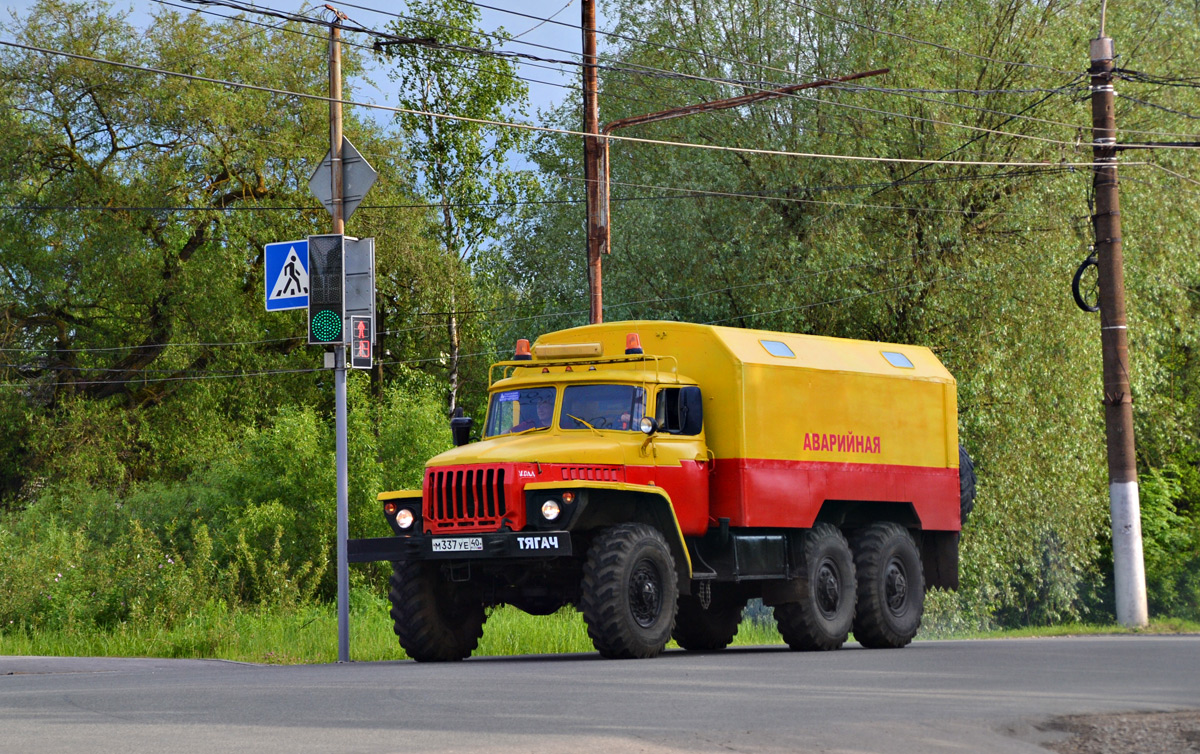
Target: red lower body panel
761,492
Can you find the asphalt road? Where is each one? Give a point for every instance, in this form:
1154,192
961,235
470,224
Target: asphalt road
940,696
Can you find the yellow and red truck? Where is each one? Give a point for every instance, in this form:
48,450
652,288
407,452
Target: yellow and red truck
658,475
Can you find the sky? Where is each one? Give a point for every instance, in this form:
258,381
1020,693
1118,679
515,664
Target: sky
544,39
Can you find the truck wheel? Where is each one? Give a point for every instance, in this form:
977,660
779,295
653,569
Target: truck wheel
822,618
966,484
435,620
701,629
629,592
891,586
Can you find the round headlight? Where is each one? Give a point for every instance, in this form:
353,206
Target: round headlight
550,510
404,518
647,425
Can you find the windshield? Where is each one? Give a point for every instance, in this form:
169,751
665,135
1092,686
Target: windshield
519,410
602,407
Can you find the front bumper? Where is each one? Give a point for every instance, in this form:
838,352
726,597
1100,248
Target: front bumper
491,546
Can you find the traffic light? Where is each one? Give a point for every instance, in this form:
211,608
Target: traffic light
326,290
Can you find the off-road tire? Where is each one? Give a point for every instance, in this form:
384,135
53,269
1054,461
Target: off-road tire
822,618
966,484
436,620
891,586
700,629
629,592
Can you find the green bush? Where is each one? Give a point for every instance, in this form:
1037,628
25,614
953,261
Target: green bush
1171,545
254,526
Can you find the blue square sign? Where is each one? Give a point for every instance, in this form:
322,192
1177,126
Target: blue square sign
286,278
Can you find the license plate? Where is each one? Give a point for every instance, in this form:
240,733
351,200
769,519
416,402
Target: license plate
458,544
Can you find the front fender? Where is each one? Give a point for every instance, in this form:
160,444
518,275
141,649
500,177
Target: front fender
602,504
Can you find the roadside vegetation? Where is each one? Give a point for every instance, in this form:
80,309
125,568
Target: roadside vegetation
307,634
166,445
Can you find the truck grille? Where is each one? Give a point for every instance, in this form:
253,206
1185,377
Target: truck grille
461,498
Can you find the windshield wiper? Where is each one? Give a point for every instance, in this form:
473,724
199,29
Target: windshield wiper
523,431
581,421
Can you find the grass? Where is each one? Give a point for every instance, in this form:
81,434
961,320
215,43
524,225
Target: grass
1158,626
308,634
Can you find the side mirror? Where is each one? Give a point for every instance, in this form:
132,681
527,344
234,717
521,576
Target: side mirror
691,411
460,427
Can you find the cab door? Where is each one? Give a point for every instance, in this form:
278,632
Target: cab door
681,460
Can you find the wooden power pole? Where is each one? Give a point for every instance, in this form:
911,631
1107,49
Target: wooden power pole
592,158
1129,573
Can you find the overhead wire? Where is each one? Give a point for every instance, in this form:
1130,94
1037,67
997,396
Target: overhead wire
350,43
543,129
915,40
1126,97
647,70
681,193
155,380
638,69
800,189
709,55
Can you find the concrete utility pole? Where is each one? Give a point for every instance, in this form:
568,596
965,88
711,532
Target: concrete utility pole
599,227
591,155
339,351
1128,566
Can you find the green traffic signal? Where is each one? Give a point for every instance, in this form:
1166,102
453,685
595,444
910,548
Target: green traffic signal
326,289
326,326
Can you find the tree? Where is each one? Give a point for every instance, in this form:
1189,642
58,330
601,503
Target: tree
130,247
461,166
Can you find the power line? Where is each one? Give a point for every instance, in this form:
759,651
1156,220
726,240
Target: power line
634,68
688,193
154,345
227,375
637,69
939,46
348,43
1159,107
1011,116
550,130
709,55
855,297
797,200
543,22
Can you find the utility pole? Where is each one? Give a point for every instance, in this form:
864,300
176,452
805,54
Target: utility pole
1129,573
592,159
339,351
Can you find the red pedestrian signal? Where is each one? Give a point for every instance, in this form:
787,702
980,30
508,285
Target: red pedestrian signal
360,342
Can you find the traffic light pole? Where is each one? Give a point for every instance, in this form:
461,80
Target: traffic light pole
339,351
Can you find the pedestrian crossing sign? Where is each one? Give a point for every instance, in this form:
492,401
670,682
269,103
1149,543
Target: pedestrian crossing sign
285,265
